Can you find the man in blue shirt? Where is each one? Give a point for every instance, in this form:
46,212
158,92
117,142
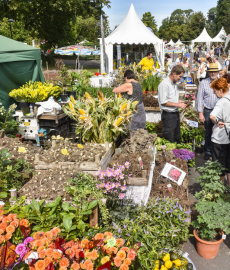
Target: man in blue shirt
187,55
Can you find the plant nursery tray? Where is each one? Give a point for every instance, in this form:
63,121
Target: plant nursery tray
90,167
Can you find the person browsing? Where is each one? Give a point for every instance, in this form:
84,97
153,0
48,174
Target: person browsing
206,101
147,62
168,98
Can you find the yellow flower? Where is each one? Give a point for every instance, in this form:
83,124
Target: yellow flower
135,102
71,106
72,99
22,150
80,146
64,152
82,118
119,95
105,259
123,107
118,121
82,112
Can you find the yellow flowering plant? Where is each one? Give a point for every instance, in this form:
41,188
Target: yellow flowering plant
35,92
100,119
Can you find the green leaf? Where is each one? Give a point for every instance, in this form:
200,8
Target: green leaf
66,206
35,205
93,204
84,206
67,223
3,194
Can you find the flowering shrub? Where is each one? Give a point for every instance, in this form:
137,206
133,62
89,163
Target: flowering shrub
103,250
190,97
113,180
12,228
175,174
35,92
183,154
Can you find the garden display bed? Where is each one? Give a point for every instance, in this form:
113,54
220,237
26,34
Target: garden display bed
150,101
86,158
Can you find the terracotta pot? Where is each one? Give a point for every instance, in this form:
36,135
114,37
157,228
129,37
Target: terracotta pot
206,249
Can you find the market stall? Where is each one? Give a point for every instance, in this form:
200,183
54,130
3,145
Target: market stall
220,37
131,31
203,38
19,63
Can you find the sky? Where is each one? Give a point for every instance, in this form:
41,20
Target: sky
159,8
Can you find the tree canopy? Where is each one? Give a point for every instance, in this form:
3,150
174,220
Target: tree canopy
223,15
149,21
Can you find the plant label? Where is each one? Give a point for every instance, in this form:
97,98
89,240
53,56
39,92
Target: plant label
173,173
169,186
26,123
192,123
141,163
223,236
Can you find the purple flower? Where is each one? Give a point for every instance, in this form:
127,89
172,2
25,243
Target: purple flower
28,240
21,248
171,210
183,154
179,217
187,212
121,196
180,207
175,206
186,220
167,212
119,230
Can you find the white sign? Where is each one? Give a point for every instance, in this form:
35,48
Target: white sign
192,123
173,173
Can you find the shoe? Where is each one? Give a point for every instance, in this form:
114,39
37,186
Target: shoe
207,156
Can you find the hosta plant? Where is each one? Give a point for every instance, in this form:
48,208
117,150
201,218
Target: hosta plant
100,119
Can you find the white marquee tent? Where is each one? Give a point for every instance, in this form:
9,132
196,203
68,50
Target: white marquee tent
179,42
203,37
131,31
221,36
170,43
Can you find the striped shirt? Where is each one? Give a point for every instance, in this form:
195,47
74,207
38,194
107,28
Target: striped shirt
205,97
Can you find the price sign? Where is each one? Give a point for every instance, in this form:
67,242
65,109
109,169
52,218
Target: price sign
26,123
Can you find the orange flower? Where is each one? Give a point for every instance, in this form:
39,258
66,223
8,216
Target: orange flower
1,231
75,266
105,259
99,236
2,238
121,254
38,243
40,265
92,255
49,235
40,249
8,236
15,223
42,254
38,235
45,241
56,255
64,262
124,267
24,222
127,261
27,255
63,268
3,226
47,261
108,234
10,229
12,216
7,220
126,249
117,262
70,252
49,252
1,217
84,242
131,254
55,231
88,264
113,249
120,242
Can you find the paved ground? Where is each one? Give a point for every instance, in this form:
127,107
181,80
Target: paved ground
222,261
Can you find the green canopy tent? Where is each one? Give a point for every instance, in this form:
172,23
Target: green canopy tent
19,63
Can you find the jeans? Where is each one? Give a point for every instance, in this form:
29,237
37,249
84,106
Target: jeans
208,134
171,126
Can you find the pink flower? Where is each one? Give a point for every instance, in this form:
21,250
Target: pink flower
127,164
121,196
187,96
123,188
20,249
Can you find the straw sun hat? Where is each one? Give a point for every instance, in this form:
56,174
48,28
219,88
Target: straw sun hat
213,67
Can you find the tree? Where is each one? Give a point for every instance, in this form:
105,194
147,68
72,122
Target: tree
223,15
211,23
195,25
149,21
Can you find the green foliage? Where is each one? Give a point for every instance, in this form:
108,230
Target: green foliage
7,121
212,187
213,202
189,133
211,23
12,172
106,91
150,21
223,15
151,83
161,223
151,127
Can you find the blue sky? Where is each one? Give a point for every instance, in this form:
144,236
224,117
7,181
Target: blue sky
159,8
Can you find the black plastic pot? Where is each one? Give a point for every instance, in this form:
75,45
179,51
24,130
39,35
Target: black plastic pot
64,97
72,93
199,150
24,107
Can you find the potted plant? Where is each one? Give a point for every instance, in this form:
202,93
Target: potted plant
198,146
151,84
213,205
63,82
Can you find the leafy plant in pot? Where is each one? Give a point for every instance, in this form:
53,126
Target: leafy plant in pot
198,146
213,204
151,83
63,82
